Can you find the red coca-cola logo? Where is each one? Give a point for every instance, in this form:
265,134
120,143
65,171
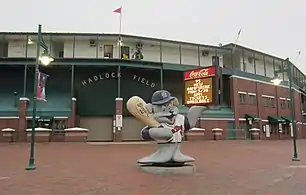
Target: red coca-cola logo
199,73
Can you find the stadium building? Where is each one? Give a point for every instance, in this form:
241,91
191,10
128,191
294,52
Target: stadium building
88,74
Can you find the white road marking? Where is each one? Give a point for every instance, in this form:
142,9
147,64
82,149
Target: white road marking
297,166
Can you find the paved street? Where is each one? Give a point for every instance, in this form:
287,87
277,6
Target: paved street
223,168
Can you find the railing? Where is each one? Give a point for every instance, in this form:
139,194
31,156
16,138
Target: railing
237,134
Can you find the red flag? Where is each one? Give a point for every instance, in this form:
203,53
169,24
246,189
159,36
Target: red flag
118,10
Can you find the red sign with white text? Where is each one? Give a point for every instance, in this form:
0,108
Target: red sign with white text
199,73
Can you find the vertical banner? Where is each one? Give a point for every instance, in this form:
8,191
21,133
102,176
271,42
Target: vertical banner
41,86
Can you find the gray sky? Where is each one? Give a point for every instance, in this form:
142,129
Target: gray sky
272,26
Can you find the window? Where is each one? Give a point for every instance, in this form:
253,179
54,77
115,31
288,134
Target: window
283,104
108,51
242,98
252,99
268,102
125,52
3,48
265,101
288,104
61,54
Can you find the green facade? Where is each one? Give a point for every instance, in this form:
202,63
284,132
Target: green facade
95,87
11,81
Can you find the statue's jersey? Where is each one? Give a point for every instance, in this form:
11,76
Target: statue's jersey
177,128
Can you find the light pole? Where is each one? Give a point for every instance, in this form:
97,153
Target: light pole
45,59
277,81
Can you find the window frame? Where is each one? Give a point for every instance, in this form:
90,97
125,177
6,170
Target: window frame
240,98
250,99
104,51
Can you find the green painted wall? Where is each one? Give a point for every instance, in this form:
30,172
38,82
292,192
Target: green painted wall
96,87
11,80
58,91
174,83
226,90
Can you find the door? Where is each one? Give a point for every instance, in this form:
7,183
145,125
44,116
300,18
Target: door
231,133
99,128
131,129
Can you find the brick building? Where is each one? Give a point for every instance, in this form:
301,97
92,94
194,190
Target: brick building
83,86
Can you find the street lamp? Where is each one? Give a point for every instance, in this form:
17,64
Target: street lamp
277,81
45,60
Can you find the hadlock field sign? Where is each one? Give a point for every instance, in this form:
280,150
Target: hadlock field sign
115,75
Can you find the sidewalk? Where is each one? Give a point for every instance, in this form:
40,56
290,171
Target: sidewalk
223,168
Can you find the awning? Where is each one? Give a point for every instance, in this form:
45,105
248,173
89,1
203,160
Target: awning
252,116
287,119
276,119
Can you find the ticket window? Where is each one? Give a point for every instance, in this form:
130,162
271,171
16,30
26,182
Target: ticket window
43,123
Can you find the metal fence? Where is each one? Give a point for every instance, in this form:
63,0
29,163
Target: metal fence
237,134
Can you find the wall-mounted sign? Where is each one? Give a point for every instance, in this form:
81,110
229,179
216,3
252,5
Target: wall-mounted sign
200,73
199,86
198,91
115,75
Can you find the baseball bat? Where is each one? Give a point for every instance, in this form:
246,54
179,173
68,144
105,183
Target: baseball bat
136,106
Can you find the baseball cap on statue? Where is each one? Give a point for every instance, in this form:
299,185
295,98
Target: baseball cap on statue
161,97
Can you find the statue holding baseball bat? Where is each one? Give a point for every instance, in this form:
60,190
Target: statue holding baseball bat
164,125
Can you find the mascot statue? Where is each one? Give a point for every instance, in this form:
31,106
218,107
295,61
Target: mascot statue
165,126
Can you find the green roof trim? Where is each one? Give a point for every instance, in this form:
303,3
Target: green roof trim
287,119
252,116
212,112
276,119
6,113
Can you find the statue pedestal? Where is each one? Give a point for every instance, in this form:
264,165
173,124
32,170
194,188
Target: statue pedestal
171,169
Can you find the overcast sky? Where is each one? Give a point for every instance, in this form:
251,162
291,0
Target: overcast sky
273,26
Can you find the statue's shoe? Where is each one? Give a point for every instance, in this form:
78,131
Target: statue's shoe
163,154
179,157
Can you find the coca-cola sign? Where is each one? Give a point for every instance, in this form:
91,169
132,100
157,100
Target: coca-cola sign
199,73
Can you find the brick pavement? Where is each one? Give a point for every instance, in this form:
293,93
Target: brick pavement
223,168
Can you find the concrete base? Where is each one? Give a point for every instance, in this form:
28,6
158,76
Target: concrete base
186,169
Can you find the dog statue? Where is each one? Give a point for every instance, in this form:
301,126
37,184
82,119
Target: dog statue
170,133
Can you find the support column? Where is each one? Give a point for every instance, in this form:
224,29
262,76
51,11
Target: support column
118,120
73,47
25,74
26,46
162,76
265,67
72,118
160,52
22,125
180,50
97,46
254,59
199,56
243,61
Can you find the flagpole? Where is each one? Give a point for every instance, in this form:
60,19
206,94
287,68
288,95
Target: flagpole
236,41
119,53
118,100
297,57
